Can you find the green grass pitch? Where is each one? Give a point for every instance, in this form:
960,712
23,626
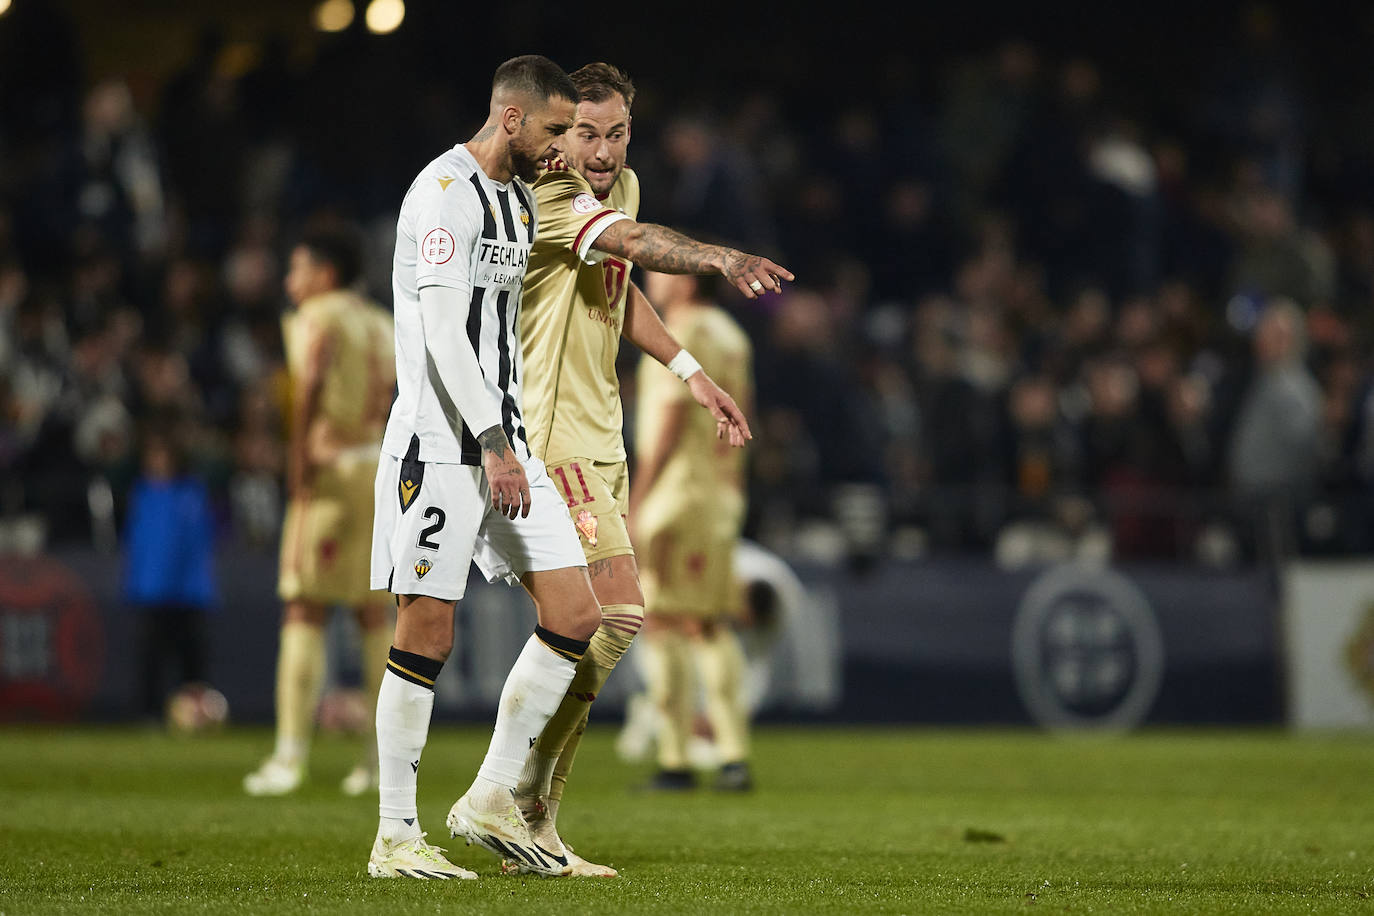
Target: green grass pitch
844,821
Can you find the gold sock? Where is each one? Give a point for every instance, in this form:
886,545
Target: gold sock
668,673
556,748
720,665
300,677
376,646
563,766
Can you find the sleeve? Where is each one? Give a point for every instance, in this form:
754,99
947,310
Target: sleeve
570,216
448,224
443,317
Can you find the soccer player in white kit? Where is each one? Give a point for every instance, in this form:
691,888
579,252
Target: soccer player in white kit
456,483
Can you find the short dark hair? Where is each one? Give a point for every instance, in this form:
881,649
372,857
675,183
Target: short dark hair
599,81
536,76
338,245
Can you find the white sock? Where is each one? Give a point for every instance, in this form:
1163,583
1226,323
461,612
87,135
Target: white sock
396,829
290,750
403,713
533,691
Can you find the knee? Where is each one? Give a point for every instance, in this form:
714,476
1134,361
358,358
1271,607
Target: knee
425,629
307,612
584,618
438,642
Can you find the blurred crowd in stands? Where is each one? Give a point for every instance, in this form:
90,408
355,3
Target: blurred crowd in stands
1031,318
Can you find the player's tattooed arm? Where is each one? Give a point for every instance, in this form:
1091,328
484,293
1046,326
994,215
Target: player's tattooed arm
510,489
659,248
668,251
494,442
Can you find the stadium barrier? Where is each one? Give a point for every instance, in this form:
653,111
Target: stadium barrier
1328,629
931,641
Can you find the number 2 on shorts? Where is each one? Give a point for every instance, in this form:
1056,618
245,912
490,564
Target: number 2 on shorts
437,514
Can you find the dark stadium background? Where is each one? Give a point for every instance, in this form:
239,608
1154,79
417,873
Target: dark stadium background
1031,250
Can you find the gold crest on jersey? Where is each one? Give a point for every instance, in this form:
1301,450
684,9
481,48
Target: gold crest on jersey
444,182
422,566
586,524
524,217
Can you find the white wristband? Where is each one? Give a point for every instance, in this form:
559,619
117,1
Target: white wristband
684,365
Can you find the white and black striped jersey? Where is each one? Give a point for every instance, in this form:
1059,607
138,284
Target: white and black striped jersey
460,229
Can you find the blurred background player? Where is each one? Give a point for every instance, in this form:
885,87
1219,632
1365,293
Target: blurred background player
776,620
688,509
579,301
341,364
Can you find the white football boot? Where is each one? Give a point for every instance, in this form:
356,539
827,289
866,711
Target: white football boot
413,858
536,813
360,779
275,777
505,834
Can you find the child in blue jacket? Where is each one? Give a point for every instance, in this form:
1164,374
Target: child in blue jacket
169,569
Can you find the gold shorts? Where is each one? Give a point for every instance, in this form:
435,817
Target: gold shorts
598,498
689,569
326,544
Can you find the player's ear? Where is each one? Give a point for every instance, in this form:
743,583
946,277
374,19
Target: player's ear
629,122
511,118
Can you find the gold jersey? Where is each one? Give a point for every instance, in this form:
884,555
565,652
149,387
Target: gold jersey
360,378
702,480
571,316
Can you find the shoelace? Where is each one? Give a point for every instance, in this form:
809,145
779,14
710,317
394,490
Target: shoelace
513,817
426,850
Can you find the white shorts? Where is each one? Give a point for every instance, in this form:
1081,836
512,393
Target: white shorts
425,537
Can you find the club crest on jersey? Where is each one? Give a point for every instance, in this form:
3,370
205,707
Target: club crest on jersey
585,203
422,566
586,524
444,182
524,217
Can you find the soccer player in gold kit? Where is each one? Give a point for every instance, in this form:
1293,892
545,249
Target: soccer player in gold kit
342,375
578,302
688,505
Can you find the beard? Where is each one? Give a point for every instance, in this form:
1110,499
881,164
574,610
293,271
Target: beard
524,165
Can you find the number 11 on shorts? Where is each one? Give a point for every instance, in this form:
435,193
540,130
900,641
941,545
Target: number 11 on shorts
567,488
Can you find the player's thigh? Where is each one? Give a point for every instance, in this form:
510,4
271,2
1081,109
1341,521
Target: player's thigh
688,568
523,549
564,601
325,546
508,548
425,527
615,580
596,495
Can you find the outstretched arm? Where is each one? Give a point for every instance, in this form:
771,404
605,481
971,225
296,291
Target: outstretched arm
668,251
646,330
